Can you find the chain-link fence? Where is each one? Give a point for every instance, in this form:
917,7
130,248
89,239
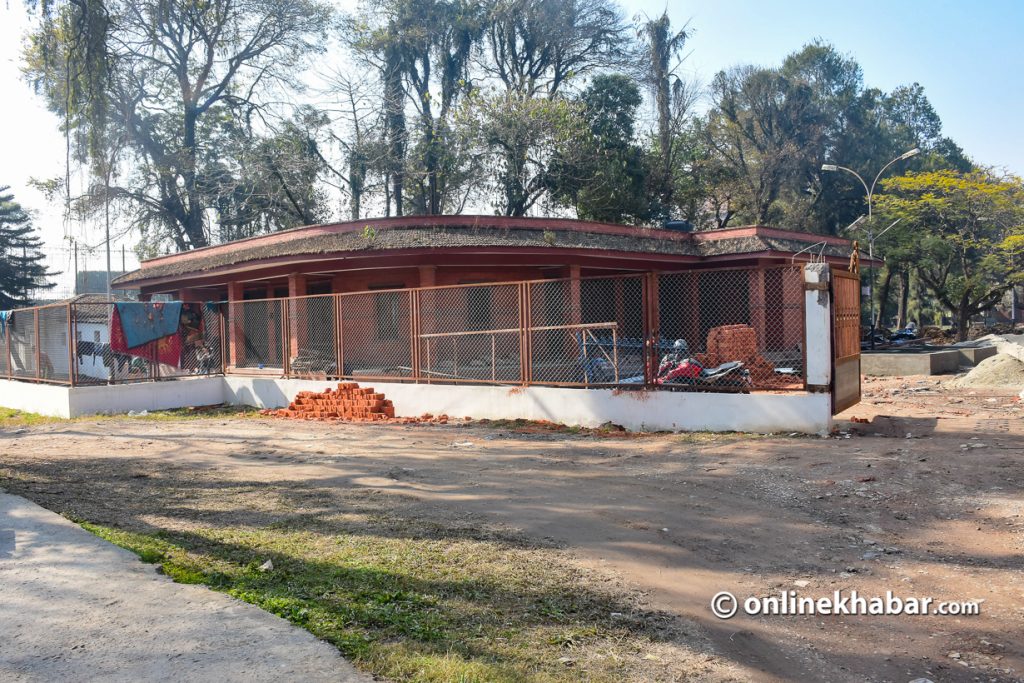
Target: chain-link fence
469,333
731,329
708,330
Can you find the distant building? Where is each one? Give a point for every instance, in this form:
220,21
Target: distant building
95,282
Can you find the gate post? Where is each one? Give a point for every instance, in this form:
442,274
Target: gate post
817,328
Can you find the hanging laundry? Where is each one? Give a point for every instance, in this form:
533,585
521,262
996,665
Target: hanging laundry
166,349
5,318
144,322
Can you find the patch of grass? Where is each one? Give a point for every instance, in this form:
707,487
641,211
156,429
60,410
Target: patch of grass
11,418
199,413
422,609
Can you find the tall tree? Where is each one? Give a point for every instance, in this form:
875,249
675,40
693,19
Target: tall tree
21,263
603,173
170,66
762,128
661,46
958,226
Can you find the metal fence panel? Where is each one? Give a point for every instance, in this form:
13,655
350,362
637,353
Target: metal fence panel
376,334
95,360
24,344
54,364
587,331
256,339
751,316
313,339
469,333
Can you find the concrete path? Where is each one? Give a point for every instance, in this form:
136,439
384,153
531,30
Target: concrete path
76,608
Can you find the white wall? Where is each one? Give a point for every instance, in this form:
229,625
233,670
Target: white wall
120,398
635,410
45,399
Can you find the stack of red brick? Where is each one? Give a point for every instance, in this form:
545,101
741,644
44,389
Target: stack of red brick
348,402
739,342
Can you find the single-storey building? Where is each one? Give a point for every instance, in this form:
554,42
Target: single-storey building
417,305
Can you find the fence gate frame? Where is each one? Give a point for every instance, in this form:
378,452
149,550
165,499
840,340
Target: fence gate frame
845,339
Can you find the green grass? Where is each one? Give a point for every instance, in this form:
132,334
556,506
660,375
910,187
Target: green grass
11,418
415,609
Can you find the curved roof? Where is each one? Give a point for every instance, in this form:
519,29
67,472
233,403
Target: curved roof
426,233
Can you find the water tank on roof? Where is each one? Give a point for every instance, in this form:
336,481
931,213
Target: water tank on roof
679,226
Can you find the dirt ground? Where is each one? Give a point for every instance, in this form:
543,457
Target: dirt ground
922,495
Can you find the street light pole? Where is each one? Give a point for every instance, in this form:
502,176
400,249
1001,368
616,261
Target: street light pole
870,192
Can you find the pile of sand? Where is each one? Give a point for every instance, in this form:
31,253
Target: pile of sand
1002,370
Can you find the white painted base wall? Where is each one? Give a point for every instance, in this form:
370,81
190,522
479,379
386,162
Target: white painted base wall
45,399
61,401
634,410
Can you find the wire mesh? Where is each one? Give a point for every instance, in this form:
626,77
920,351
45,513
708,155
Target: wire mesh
312,335
711,330
200,343
22,327
256,338
722,329
587,331
5,357
54,362
96,361
376,334
469,333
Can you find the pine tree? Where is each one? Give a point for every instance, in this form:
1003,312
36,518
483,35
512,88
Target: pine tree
21,263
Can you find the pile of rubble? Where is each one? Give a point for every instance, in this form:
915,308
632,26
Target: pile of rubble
350,403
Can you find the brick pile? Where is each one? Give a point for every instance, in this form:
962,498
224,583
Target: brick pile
739,342
348,402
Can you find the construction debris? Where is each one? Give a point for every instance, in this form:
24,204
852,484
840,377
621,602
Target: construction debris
1002,370
349,402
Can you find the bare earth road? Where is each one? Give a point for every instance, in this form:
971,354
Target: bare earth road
74,607
927,499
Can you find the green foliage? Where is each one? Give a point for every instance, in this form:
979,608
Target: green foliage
770,130
603,175
21,263
169,102
960,232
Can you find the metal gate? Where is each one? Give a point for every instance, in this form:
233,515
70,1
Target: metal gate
845,340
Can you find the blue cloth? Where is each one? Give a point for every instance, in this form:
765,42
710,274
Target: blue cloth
144,322
5,317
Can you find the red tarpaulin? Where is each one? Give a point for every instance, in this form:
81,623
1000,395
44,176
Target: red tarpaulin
166,350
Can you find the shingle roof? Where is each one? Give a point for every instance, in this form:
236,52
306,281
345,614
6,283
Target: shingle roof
447,233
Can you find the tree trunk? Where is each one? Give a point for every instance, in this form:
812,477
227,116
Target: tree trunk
192,224
394,104
883,298
963,320
903,314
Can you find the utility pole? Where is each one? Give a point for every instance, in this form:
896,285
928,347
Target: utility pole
75,242
106,212
870,192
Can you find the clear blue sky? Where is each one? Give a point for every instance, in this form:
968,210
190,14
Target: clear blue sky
967,55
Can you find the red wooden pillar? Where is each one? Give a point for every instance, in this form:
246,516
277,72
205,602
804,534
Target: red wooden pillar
757,306
575,303
298,323
236,315
428,276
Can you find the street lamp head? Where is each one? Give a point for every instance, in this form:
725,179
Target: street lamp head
910,153
829,167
